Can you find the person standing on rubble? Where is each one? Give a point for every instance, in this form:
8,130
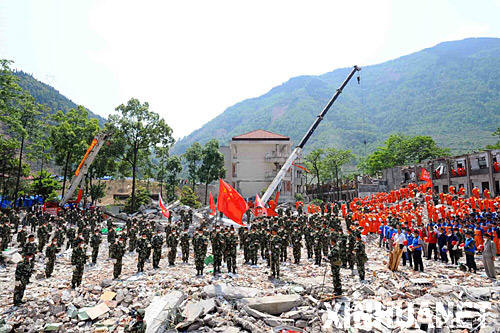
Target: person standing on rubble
117,253
22,277
318,245
95,241
142,250
184,240
253,245
217,249
79,258
275,247
30,247
335,263
361,257
157,244
489,253
297,244
172,242
50,253
470,250
22,236
231,244
200,244
417,245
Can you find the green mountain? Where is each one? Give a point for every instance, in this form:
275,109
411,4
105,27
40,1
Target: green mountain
47,95
450,91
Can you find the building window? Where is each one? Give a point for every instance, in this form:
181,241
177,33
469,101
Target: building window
482,162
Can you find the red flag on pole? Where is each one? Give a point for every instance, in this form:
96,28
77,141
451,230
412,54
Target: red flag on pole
231,203
163,209
212,205
424,175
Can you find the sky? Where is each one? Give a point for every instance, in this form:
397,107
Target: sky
192,59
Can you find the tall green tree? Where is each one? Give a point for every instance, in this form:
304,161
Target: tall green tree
193,157
70,136
313,162
173,169
24,123
400,149
212,165
141,130
332,164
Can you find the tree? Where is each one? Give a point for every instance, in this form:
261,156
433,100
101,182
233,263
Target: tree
173,168
24,122
212,165
142,198
400,149
313,161
70,136
496,145
193,157
45,185
188,198
141,130
333,162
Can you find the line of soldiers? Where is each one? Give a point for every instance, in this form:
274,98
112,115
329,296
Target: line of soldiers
271,235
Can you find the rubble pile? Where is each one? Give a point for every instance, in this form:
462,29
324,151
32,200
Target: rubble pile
302,300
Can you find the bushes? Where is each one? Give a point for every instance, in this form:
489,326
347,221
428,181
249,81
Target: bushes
189,198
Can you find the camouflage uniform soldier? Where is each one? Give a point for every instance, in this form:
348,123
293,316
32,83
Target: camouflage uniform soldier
132,239
30,247
50,253
172,242
335,263
343,250
253,245
79,259
264,244
351,241
231,244
275,246
361,257
5,234
70,235
297,244
142,249
21,236
111,238
308,235
200,244
157,244
284,243
23,274
43,235
217,249
94,243
117,255
318,246
243,234
184,240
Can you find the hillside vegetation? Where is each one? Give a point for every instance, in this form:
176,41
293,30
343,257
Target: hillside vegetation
450,91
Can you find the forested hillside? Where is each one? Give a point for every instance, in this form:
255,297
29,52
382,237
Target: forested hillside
450,91
47,95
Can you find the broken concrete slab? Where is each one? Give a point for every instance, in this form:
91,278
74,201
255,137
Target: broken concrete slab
254,313
108,295
82,314
274,304
52,327
97,310
230,292
161,309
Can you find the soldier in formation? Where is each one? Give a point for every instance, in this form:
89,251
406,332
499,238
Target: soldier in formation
157,244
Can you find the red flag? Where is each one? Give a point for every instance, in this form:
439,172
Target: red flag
277,194
164,209
301,167
258,202
212,205
231,203
80,192
424,175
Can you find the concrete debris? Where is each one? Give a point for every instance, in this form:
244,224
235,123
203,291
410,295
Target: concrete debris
274,304
162,309
97,311
229,292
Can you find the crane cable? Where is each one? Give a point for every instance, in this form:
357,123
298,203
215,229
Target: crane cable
363,122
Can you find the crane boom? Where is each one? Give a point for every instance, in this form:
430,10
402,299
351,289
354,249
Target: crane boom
295,153
82,169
